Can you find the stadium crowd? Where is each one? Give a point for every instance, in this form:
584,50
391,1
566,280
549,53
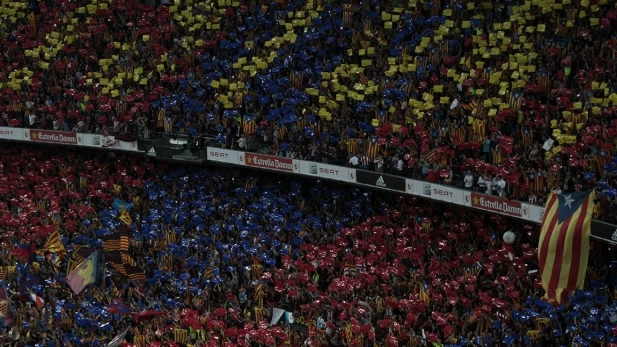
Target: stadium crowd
191,256
522,90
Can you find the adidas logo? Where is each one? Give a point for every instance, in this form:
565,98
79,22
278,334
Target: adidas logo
614,236
380,182
152,152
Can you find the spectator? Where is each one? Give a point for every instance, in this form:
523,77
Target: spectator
378,162
242,142
363,161
354,161
469,180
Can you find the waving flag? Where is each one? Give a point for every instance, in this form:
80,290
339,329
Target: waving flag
118,241
53,245
38,301
125,265
6,311
564,243
119,307
118,339
84,274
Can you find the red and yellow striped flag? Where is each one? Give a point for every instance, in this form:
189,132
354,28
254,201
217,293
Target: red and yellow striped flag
563,249
248,125
53,245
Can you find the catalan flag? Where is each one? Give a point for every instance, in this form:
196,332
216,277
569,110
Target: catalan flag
373,148
168,124
40,206
166,261
348,15
602,158
545,82
118,241
81,253
382,116
281,134
250,183
6,270
430,157
497,155
125,265
516,99
171,237
139,340
248,124
527,137
479,128
353,146
458,134
53,245
181,336
295,80
363,79
160,120
32,20
407,88
87,272
563,249
424,295
470,106
190,58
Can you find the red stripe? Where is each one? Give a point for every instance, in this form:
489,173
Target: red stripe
576,250
558,262
559,252
547,238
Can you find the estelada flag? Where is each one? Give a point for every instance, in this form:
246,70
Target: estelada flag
563,249
53,245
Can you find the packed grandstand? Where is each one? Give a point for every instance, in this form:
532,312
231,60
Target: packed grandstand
511,99
95,244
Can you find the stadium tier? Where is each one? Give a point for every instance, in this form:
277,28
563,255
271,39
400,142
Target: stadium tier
524,90
101,249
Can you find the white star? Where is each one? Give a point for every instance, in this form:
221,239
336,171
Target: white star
568,201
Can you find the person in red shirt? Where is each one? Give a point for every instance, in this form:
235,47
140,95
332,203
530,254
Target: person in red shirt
433,175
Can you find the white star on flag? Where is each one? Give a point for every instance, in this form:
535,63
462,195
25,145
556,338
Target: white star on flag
568,201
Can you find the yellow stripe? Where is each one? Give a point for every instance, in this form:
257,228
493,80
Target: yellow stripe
569,245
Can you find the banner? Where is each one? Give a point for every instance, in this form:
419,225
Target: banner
263,161
536,213
59,137
439,192
604,231
107,142
528,212
223,155
497,204
378,180
12,134
321,170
